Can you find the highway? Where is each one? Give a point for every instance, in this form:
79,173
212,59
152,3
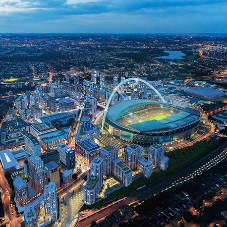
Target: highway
168,182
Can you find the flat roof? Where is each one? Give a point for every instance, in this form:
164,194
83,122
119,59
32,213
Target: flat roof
88,145
205,92
7,159
19,183
66,173
55,135
51,165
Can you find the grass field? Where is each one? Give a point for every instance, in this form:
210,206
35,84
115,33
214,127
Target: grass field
155,117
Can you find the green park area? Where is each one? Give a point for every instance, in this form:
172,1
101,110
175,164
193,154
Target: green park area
11,80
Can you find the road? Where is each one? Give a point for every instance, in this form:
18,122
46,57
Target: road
72,184
11,216
185,174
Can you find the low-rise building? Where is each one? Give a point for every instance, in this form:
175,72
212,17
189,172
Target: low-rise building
36,111
87,149
67,155
53,155
66,176
51,139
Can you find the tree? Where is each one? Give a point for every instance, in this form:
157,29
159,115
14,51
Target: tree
74,176
178,217
187,215
93,223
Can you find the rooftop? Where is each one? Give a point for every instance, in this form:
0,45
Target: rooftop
51,165
55,135
50,187
35,159
134,146
66,173
88,145
19,183
29,214
7,159
91,182
157,146
109,148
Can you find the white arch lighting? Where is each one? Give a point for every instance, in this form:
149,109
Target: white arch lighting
116,88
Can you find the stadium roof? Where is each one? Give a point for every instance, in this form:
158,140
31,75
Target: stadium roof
205,92
187,115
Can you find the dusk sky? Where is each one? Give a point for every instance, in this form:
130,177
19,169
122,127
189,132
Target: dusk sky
113,16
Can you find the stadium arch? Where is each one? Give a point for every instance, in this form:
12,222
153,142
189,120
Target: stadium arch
116,88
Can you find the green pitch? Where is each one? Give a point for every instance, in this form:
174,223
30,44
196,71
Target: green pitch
155,117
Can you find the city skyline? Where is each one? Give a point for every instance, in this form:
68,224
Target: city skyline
100,16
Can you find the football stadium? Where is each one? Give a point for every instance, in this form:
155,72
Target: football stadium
148,121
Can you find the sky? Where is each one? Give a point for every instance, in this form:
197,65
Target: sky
113,16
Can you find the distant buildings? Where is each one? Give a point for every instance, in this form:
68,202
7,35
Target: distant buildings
93,76
36,112
204,92
123,97
115,80
50,201
37,176
102,80
156,156
87,149
76,79
94,181
114,100
93,102
67,155
177,100
11,132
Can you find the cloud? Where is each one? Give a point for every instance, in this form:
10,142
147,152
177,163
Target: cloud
72,14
